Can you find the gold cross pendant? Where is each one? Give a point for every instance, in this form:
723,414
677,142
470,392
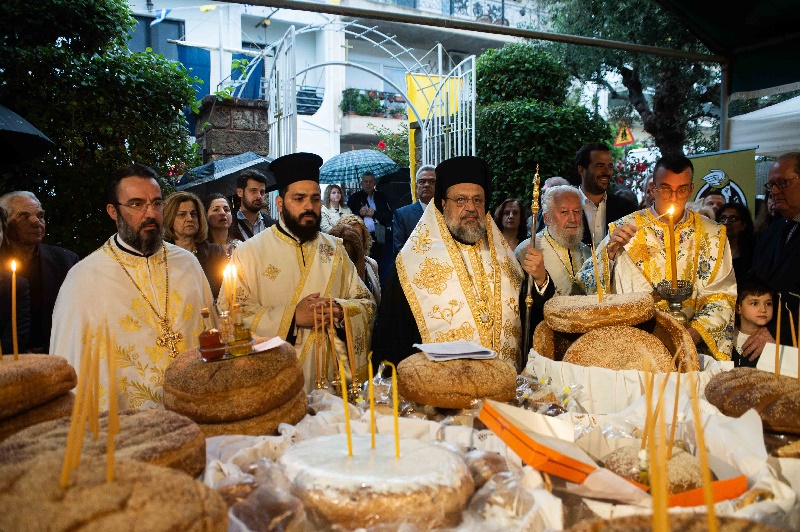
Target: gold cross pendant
169,338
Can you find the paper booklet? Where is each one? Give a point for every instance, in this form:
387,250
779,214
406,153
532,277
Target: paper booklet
454,350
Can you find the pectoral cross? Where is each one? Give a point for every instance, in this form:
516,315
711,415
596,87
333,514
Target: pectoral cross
169,338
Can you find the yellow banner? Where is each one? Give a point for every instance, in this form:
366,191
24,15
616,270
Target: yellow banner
733,172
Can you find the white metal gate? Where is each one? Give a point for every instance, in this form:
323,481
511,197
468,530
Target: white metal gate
282,94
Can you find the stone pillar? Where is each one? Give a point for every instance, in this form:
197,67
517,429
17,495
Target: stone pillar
232,127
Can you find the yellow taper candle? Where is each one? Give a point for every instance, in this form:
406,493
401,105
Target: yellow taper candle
395,406
597,279
777,339
346,409
791,324
673,253
371,399
14,309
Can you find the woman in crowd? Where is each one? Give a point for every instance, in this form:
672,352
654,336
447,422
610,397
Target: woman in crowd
185,225
508,218
739,227
371,265
767,213
218,213
333,207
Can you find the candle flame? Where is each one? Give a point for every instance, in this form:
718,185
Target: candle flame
13,266
671,210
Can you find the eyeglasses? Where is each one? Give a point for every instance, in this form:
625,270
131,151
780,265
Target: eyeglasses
141,206
665,192
780,183
726,219
462,200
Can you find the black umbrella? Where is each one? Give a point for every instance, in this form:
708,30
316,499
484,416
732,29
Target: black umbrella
19,140
220,175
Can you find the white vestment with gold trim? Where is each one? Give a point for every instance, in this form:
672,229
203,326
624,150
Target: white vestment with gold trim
462,292
97,292
562,264
703,257
274,272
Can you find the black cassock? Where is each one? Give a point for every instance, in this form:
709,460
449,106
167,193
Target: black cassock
396,329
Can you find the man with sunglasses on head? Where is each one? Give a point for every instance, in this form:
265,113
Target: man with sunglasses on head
777,254
631,259
136,297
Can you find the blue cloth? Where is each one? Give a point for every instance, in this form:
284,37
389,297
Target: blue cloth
198,62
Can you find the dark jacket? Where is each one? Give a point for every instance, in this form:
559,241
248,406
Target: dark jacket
212,259
404,221
239,231
45,274
383,211
778,265
616,208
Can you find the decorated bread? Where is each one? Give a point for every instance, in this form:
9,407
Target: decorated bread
290,412
32,380
620,347
56,408
574,314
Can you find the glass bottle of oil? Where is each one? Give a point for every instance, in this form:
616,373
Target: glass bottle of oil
211,346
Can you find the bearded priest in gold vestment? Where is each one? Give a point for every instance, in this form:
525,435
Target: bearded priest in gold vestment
631,259
142,296
291,270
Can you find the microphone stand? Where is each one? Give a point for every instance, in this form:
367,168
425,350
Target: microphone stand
527,338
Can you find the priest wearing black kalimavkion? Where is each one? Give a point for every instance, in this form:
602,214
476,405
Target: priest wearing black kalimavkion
456,278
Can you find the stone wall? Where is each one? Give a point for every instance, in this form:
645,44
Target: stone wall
231,127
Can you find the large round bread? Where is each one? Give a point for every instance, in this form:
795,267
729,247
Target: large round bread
777,400
428,486
573,314
619,347
682,522
552,344
56,408
33,380
141,497
455,383
290,412
157,437
230,390
676,337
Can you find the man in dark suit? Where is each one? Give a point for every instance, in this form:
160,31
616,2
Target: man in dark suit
594,164
44,266
373,206
405,218
777,254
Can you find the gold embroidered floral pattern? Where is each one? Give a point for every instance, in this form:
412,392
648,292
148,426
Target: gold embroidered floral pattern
510,272
325,252
508,353
511,303
433,276
446,313
270,272
129,324
465,332
421,239
510,330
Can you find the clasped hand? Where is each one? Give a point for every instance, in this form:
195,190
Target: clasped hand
304,311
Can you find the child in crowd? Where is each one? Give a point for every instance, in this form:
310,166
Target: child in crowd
753,310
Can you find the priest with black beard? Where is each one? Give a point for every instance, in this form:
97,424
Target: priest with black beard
456,278
291,272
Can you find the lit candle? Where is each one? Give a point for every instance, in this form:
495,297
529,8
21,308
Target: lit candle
233,286
395,404
673,253
14,309
346,410
371,399
778,339
597,279
674,412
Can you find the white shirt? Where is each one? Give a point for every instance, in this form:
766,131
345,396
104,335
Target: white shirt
595,217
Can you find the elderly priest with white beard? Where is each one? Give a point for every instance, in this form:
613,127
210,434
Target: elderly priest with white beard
290,270
456,278
560,241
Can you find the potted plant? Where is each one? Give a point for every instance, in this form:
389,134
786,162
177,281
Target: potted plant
350,99
397,111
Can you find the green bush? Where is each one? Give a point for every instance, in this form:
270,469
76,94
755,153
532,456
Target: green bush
520,71
349,100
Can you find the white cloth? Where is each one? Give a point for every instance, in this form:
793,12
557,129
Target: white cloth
461,292
97,292
368,221
331,216
739,338
595,217
274,272
371,270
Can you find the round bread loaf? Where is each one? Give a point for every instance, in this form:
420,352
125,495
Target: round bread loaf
573,314
428,486
290,412
483,465
678,521
619,347
683,469
56,408
777,400
455,383
157,437
141,497
543,341
230,390
32,380
676,337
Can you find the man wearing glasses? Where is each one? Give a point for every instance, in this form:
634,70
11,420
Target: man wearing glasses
139,296
406,218
777,254
455,278
631,259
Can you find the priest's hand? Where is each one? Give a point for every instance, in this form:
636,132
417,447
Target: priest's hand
619,239
755,344
534,266
304,311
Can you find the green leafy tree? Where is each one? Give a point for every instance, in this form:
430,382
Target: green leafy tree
524,119
684,93
393,143
65,67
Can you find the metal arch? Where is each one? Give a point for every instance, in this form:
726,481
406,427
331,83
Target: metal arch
282,94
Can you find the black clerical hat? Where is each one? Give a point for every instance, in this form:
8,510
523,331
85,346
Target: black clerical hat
295,167
463,169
